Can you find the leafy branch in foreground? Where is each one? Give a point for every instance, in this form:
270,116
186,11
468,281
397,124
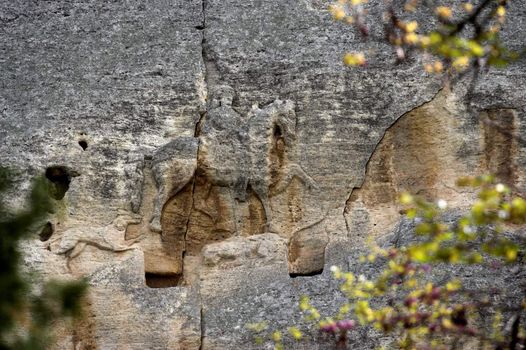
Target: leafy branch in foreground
450,38
26,315
403,301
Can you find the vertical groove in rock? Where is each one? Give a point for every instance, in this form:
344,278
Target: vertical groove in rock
187,224
204,70
208,67
202,114
202,329
198,126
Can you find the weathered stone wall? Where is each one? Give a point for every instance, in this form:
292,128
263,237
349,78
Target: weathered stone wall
203,153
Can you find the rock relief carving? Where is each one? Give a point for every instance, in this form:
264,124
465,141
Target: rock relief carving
237,152
73,241
173,167
306,249
273,152
234,162
233,152
223,154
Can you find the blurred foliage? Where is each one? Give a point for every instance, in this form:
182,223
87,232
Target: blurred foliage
27,311
453,38
403,301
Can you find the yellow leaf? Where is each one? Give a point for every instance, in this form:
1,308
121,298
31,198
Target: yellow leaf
349,20
345,309
338,14
444,11
429,287
446,323
304,303
435,38
476,48
425,41
461,63
354,59
295,332
453,286
276,336
511,254
411,26
406,198
349,277
468,7
411,38
438,66
418,254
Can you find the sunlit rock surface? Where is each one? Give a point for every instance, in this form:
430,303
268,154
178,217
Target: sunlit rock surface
210,159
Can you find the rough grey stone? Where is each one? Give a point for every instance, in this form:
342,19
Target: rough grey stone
212,122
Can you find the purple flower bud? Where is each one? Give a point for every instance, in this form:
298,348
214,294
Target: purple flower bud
330,328
435,293
345,325
426,267
410,301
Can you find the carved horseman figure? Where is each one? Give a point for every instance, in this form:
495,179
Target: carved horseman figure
223,154
272,135
234,152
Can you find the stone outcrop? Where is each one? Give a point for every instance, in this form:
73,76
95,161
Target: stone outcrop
210,159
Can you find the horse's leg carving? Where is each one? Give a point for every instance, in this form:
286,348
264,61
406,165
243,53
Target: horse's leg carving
173,167
77,249
74,252
166,189
262,192
289,172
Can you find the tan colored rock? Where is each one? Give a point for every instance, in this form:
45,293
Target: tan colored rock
131,315
194,128
417,154
306,250
258,250
228,265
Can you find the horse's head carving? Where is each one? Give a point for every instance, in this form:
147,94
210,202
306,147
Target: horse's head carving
284,118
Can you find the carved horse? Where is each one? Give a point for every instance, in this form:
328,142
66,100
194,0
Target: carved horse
233,152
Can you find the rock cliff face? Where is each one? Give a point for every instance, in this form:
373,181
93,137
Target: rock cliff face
209,159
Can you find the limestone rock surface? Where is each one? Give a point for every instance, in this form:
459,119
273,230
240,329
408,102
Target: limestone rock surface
210,159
